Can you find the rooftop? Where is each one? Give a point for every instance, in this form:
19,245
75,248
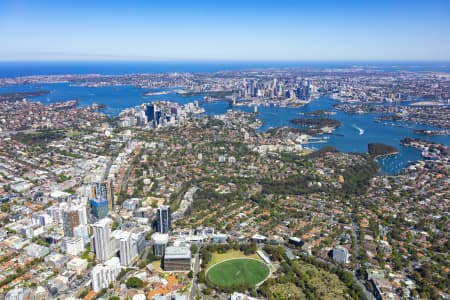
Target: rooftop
174,252
160,238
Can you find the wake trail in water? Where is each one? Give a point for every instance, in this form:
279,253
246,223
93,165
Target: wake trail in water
361,131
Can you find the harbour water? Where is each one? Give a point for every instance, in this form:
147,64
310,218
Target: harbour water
356,131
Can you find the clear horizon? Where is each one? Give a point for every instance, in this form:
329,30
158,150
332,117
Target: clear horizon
37,60
225,31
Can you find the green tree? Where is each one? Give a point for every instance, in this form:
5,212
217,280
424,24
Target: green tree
134,282
194,249
115,225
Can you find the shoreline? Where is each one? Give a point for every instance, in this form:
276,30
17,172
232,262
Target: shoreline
385,155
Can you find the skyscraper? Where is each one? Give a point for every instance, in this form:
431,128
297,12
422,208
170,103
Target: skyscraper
163,219
73,216
103,191
99,208
150,113
127,245
128,250
102,241
70,221
81,231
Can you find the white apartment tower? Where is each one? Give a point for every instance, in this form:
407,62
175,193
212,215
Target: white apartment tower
104,274
102,240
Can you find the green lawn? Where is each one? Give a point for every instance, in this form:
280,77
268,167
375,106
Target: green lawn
218,257
238,271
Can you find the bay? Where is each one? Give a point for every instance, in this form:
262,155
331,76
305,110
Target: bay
356,131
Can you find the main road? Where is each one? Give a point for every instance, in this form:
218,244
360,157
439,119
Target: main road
194,288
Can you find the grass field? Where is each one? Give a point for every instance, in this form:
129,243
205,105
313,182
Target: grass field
218,257
238,271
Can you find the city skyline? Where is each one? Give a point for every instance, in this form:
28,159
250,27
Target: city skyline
313,182
225,31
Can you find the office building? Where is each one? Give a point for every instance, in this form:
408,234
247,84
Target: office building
177,258
150,113
99,208
163,219
159,243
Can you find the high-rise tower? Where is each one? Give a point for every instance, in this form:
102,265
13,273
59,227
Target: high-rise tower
163,220
102,233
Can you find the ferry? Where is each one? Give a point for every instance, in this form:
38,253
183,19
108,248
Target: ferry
361,131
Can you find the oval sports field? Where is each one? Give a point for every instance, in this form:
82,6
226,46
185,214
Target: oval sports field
238,271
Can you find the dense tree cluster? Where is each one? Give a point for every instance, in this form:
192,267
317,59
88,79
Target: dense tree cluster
134,282
293,185
316,122
40,138
315,279
377,149
357,177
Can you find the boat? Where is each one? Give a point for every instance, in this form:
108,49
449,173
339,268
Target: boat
361,131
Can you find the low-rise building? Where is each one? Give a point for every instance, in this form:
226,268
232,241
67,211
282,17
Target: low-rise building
36,251
341,255
77,265
177,258
73,246
56,260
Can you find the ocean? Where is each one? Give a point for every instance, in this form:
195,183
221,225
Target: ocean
15,69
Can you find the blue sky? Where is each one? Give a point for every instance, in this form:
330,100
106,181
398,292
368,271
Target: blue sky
340,30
